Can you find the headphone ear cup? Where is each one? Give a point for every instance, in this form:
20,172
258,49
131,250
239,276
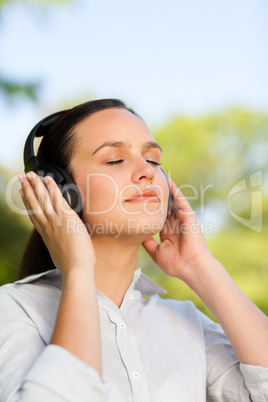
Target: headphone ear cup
169,195
65,183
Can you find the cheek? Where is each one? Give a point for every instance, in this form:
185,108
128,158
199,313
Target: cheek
163,189
100,194
166,192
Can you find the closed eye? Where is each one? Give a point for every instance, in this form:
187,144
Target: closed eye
154,163
115,162
121,160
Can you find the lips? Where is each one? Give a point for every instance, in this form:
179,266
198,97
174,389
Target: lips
144,195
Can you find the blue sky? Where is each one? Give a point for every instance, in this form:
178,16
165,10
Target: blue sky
161,57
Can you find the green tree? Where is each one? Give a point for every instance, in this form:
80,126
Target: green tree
14,232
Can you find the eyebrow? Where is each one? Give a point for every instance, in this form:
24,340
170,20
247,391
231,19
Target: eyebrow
123,144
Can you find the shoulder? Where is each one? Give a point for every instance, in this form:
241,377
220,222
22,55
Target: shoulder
170,311
181,314
31,301
31,286
184,309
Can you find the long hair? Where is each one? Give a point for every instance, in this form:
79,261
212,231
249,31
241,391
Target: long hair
57,147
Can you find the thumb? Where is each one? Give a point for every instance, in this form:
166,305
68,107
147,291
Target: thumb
151,246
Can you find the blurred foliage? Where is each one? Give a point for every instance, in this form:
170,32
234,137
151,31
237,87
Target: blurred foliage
11,88
34,2
14,233
13,237
217,150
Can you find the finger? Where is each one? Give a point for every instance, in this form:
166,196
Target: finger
171,226
41,193
59,203
37,222
173,205
178,197
151,246
30,200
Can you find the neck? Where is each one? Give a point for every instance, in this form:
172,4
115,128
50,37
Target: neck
115,266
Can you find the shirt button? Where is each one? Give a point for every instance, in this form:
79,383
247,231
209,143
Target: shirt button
122,326
132,297
136,376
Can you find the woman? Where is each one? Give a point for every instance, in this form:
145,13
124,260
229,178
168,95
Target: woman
83,331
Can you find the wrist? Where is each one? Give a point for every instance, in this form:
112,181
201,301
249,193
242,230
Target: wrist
203,269
78,275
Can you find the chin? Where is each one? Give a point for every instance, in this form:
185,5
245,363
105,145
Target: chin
135,227
144,228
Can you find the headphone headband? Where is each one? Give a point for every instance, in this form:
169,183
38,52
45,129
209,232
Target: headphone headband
30,160
64,181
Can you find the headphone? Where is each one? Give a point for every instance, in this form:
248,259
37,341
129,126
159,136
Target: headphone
64,181
62,178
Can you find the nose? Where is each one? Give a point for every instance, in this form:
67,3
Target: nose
143,171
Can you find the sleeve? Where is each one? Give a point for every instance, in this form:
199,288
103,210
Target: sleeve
227,378
30,371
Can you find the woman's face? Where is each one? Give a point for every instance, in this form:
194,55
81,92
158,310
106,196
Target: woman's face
116,167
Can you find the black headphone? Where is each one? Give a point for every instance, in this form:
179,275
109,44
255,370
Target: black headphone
64,181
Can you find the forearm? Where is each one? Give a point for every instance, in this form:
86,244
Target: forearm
244,324
77,326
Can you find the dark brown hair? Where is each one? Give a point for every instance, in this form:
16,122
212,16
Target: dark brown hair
57,147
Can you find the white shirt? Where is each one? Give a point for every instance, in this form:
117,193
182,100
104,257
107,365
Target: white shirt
154,350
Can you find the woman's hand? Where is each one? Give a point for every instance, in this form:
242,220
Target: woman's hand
62,231
183,253
182,245
77,327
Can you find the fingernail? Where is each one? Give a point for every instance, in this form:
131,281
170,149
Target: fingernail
21,178
29,176
21,192
47,179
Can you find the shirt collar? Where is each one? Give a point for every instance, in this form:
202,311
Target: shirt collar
145,285
140,282
31,278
